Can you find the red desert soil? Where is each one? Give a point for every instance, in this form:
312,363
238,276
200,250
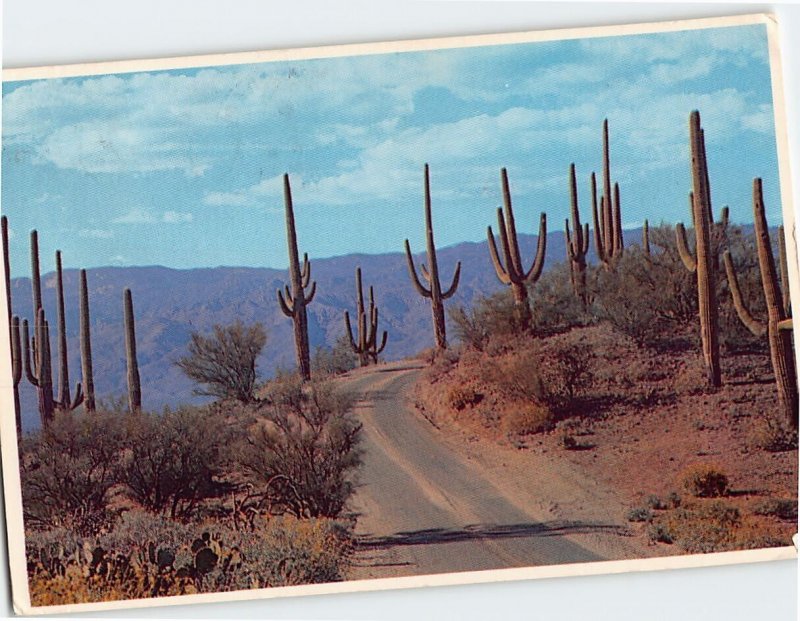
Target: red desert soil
643,419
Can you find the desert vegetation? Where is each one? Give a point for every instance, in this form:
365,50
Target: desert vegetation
655,368
654,339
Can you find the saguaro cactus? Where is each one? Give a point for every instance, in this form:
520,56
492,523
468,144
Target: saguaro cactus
13,327
86,346
38,364
431,274
608,238
366,346
134,385
63,402
577,244
646,237
702,263
778,324
509,268
296,300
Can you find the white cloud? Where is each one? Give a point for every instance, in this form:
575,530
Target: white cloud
138,215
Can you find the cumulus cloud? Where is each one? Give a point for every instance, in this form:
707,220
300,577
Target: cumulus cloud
138,215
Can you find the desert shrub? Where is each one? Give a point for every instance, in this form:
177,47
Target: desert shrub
715,526
651,298
639,514
174,459
69,469
781,508
490,317
151,556
704,481
224,364
528,418
772,434
655,503
567,373
460,397
334,360
519,377
556,308
303,450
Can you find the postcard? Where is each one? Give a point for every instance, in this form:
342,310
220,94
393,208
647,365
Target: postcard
388,315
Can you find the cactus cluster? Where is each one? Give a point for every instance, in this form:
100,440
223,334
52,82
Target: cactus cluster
508,267
366,344
31,353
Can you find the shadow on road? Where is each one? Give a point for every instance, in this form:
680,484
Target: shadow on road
489,531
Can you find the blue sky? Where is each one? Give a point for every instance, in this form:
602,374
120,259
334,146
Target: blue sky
183,168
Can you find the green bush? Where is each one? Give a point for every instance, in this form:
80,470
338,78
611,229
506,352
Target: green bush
334,360
556,308
303,450
490,317
704,481
174,459
69,469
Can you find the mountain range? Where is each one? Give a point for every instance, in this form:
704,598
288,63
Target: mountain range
170,304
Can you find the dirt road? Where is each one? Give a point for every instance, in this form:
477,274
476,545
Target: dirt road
427,507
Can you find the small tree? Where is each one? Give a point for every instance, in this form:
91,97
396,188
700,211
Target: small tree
225,363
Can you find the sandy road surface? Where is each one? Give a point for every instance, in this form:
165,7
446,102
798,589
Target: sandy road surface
427,507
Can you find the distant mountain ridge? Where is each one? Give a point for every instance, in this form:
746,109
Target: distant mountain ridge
170,304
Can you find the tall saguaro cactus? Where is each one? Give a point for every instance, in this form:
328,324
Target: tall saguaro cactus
86,346
608,238
509,268
38,364
703,264
431,274
134,385
63,402
778,324
578,243
366,346
296,300
13,326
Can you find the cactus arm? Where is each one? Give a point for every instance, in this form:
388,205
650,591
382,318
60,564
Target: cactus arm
79,396
646,237
305,275
683,248
454,285
724,217
425,273
585,246
63,362
26,355
16,352
501,272
758,328
285,308
134,382
310,296
786,324
541,248
412,271
384,338
619,240
86,344
6,265
784,270
512,243
349,328
568,241
769,276
597,217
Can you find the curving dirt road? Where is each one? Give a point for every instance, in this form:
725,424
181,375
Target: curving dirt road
427,507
